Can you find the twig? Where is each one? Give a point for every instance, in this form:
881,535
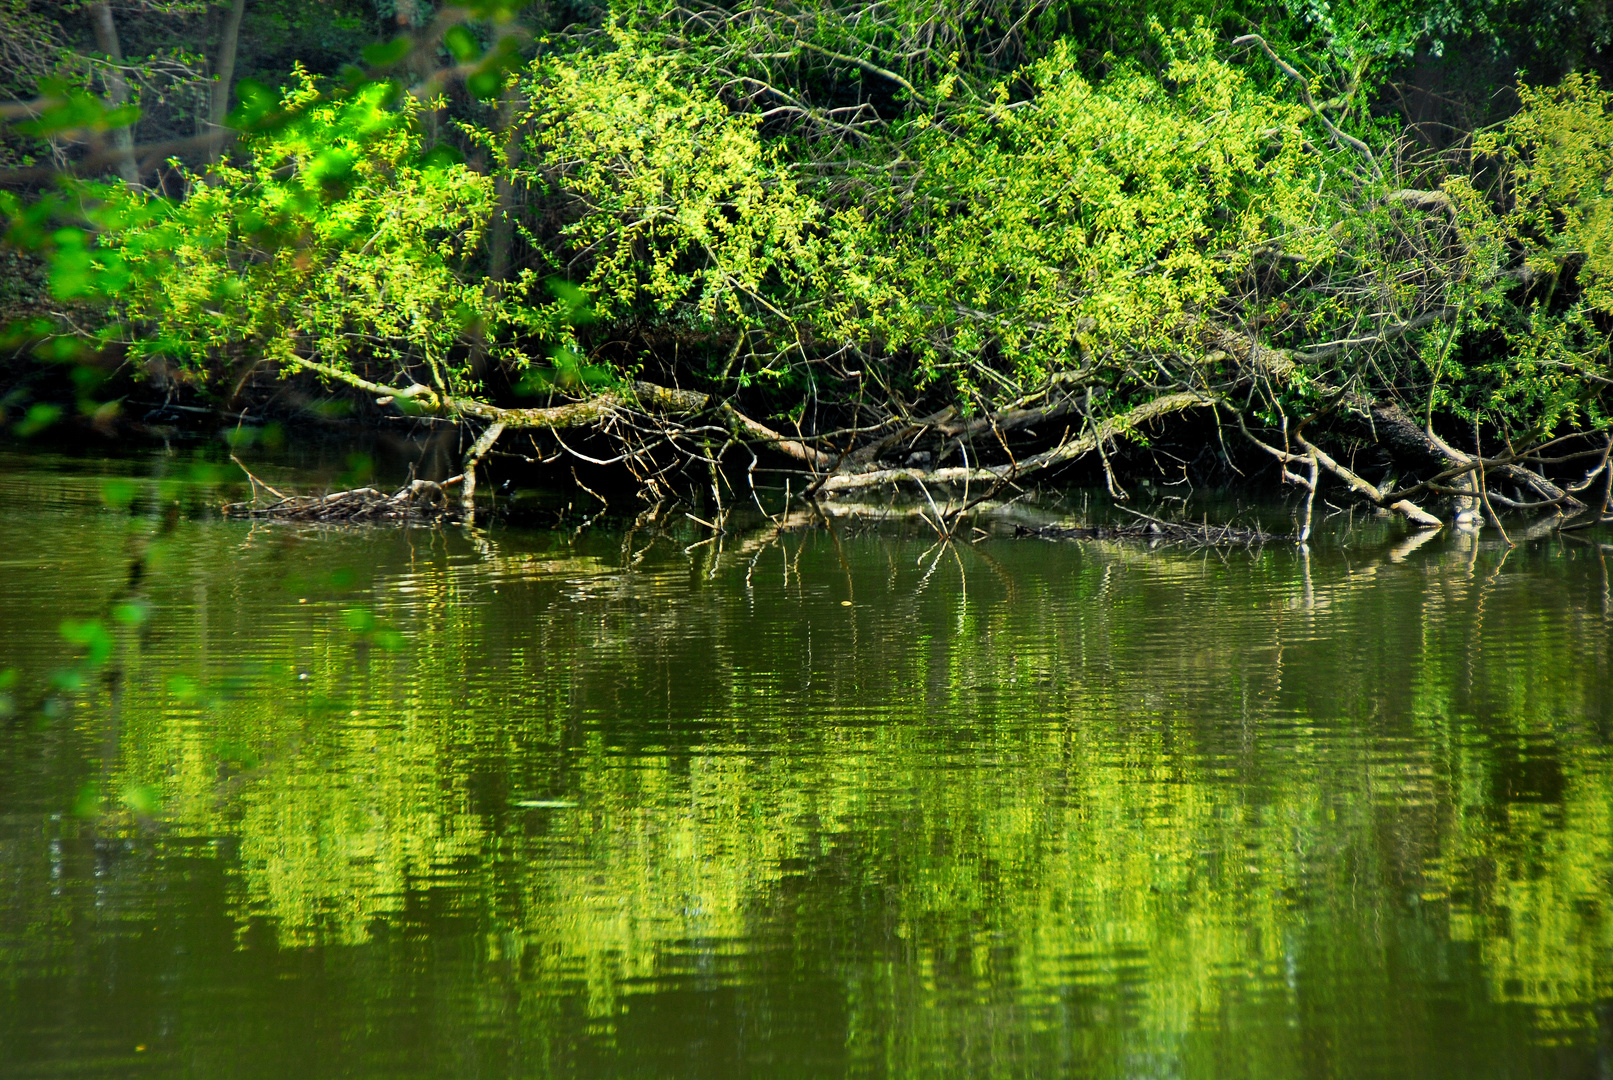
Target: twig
256,483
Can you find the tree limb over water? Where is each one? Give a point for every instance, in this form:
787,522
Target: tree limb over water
678,234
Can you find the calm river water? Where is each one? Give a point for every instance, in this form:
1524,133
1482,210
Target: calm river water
389,804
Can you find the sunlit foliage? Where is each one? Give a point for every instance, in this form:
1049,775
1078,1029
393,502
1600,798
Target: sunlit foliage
335,239
1078,217
673,207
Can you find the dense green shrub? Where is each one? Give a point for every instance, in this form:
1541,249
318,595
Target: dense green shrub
333,239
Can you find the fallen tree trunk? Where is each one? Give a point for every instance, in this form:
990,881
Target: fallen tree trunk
700,428
591,412
1066,451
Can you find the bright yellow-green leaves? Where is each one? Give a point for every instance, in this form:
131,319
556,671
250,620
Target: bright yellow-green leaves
332,241
993,240
1081,213
986,236
673,204
1559,147
1555,209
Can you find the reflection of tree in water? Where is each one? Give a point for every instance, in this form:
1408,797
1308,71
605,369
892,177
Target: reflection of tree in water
1151,792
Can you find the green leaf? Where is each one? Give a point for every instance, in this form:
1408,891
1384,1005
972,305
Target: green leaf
578,306
359,620
132,613
142,799
385,54
184,687
390,640
118,492
76,110
37,419
90,635
87,803
462,44
256,108
494,10
360,469
485,84
441,156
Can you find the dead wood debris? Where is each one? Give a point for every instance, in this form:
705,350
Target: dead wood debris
417,501
1158,530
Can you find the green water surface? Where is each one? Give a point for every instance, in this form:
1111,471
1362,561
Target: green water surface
423,803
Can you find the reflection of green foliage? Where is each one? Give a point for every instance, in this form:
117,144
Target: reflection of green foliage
91,636
118,492
1051,785
87,803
